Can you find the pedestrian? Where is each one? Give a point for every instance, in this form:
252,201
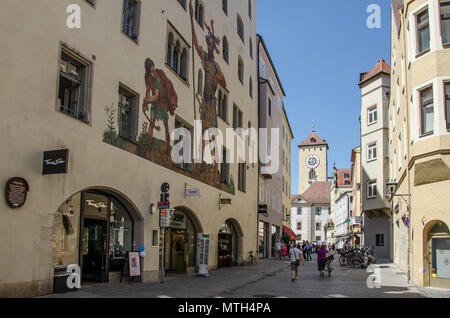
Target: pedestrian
309,251
333,247
278,248
322,259
296,256
284,250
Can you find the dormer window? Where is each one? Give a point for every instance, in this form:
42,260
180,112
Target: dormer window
313,140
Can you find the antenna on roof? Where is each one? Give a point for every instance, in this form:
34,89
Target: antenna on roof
313,126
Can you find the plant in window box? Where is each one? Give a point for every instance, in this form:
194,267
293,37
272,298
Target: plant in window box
110,135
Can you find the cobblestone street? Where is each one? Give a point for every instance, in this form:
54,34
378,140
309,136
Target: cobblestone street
267,279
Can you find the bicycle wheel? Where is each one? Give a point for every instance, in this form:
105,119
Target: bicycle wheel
329,270
342,260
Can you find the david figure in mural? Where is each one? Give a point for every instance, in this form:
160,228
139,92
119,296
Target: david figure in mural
163,100
213,75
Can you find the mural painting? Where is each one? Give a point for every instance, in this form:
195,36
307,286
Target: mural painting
160,103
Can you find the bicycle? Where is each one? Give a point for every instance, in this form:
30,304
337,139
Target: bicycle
328,267
251,258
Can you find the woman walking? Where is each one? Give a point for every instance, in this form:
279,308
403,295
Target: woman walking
322,259
284,250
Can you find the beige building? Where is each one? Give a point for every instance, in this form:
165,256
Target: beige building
356,172
374,165
111,92
419,140
288,136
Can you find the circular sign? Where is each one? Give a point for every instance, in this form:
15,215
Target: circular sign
312,162
16,192
165,187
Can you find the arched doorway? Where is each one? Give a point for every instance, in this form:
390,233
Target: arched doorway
180,246
95,229
229,241
437,254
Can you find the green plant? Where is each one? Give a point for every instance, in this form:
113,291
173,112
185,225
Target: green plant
110,135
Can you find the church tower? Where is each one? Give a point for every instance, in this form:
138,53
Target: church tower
313,162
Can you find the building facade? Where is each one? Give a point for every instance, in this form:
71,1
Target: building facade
357,201
344,211
271,185
419,140
288,136
111,93
375,87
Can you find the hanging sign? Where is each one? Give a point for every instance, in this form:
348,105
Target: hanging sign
55,162
16,192
262,208
177,220
192,192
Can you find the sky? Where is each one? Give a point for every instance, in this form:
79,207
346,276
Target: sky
319,49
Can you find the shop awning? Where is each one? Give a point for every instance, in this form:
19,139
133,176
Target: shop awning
289,232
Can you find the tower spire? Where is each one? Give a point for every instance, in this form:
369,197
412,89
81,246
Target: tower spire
313,126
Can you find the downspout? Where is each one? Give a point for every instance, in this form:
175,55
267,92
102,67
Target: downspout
258,164
407,139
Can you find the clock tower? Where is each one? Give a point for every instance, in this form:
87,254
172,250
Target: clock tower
313,162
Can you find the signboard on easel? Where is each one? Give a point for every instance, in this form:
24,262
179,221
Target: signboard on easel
203,243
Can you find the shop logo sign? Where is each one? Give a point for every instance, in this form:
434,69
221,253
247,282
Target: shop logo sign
55,162
96,205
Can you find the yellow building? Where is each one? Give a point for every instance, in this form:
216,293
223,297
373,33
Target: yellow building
288,136
419,139
111,93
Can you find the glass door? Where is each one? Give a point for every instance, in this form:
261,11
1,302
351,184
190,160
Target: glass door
94,250
440,262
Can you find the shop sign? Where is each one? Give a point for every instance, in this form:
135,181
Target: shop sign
55,162
163,221
177,220
16,192
262,208
192,192
163,205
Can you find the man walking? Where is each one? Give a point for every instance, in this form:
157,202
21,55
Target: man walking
308,251
296,256
278,248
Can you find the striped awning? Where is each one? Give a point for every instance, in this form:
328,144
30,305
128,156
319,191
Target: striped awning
289,232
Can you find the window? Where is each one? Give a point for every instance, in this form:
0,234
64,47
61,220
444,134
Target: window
379,239
91,2
178,54
222,104
371,189
75,78
270,107
445,22
346,175
241,70
299,211
184,165
225,49
130,18
250,87
225,6
237,118
372,152
318,226
372,115
447,105
240,28
427,111
347,182
318,238
318,211
183,3
225,167
299,226
251,48
242,176
250,9
128,105
200,83
312,174
199,13
423,31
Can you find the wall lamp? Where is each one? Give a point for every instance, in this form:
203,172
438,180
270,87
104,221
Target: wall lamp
392,186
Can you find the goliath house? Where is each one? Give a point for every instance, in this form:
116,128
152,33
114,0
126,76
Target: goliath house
87,137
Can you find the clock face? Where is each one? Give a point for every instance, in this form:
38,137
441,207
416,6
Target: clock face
312,162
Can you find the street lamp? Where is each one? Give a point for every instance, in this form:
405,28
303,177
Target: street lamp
392,186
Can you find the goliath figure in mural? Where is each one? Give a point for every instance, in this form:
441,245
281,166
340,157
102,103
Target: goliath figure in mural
213,75
163,100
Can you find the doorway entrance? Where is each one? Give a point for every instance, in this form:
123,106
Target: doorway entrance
227,251
439,255
94,250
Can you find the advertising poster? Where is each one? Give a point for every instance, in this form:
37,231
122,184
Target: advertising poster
135,266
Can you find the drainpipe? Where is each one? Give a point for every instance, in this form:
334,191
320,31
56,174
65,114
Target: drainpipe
258,164
407,139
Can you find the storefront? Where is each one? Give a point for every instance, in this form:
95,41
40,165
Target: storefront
180,243
227,250
95,230
437,255
263,234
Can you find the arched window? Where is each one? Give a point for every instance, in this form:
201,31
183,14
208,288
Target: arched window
250,87
240,28
312,174
225,49
183,64
241,70
199,12
170,49
200,83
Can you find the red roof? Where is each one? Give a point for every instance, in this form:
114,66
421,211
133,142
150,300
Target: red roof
313,140
289,232
381,67
341,179
318,192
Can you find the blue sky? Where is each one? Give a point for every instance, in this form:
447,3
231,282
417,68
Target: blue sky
319,48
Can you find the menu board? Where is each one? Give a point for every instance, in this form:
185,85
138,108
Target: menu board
16,192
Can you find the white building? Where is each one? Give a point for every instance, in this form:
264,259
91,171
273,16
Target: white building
344,211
